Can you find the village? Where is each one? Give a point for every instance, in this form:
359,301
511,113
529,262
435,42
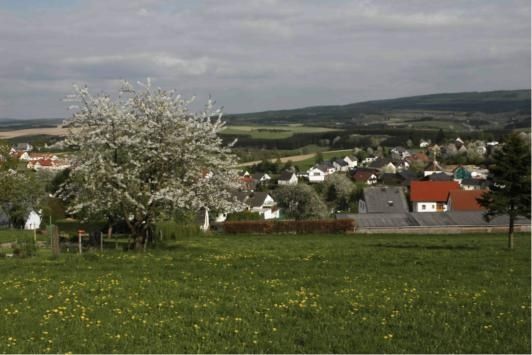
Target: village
405,191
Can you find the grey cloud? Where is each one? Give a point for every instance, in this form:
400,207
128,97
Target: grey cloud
257,55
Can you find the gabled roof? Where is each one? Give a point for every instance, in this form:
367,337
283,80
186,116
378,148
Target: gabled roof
363,175
462,200
381,162
385,199
258,176
433,191
286,175
341,162
257,199
419,156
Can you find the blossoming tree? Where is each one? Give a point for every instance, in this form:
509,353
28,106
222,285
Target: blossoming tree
144,155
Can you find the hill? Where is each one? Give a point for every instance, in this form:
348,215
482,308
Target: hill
490,102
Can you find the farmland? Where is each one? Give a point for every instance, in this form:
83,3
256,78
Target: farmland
275,294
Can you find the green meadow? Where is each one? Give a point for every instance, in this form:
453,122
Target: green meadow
274,294
273,132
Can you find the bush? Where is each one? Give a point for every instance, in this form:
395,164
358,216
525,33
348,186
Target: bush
171,230
244,216
25,248
297,226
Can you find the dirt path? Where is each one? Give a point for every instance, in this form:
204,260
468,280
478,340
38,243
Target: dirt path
293,158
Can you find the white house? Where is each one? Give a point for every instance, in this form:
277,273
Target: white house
263,204
352,162
287,178
341,165
316,175
261,177
33,221
423,144
369,160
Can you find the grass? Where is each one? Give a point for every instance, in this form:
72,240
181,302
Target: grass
274,294
304,165
273,132
12,235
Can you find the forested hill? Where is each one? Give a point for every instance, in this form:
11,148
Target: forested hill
488,102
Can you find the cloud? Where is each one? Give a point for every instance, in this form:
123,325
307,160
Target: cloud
256,55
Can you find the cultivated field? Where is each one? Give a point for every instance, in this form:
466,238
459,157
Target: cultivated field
274,294
55,131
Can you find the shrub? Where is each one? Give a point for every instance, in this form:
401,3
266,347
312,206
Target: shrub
244,216
24,248
291,226
171,230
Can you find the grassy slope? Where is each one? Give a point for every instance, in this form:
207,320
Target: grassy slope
488,102
275,294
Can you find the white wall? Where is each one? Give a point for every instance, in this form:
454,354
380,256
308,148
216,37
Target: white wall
428,207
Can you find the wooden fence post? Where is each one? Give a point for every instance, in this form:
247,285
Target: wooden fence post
55,240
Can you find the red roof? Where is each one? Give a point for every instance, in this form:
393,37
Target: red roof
45,162
362,176
431,191
462,200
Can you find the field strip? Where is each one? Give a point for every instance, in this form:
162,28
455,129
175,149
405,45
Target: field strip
294,158
53,131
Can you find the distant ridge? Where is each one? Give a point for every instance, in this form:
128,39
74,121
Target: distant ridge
485,102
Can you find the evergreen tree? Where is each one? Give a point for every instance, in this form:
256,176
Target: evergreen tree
510,192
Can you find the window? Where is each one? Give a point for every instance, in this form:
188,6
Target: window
423,207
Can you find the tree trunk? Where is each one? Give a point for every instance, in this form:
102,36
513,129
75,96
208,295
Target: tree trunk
511,233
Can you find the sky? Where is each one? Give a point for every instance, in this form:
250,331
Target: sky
252,55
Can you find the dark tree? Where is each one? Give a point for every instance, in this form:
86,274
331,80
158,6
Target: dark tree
440,137
510,192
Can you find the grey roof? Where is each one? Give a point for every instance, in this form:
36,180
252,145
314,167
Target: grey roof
341,162
428,219
257,199
385,199
440,177
381,162
474,182
258,176
286,175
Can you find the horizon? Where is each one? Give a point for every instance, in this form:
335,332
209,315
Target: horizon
294,108
258,56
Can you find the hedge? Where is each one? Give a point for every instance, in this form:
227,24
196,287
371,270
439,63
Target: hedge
291,226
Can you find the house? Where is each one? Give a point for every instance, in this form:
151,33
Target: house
261,177
439,177
423,144
247,183
431,196
458,143
287,178
327,167
418,158
408,176
385,165
263,204
33,220
461,200
399,153
473,184
48,164
22,147
383,199
365,176
352,162
391,179
432,168
341,165
316,174
369,160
